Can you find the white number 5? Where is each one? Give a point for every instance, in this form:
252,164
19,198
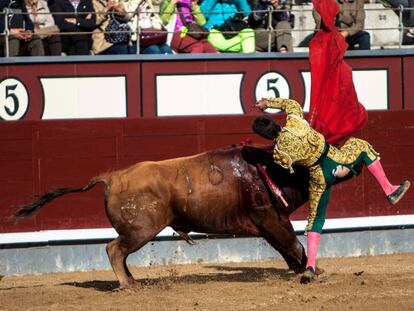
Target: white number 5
14,99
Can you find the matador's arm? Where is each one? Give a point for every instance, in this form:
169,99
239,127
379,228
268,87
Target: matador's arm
290,106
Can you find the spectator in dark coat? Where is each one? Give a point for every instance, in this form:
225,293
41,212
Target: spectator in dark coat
79,17
407,16
281,36
22,40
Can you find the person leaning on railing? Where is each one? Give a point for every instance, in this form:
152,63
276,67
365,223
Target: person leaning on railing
76,24
217,12
22,40
105,10
189,12
229,32
351,22
281,37
407,16
44,26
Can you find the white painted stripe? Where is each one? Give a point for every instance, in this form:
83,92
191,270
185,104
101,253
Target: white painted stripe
360,222
109,233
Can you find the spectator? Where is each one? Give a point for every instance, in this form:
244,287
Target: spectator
350,21
79,18
220,12
105,10
182,42
408,15
22,40
281,39
147,18
44,26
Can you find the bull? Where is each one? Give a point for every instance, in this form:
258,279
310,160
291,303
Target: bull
220,191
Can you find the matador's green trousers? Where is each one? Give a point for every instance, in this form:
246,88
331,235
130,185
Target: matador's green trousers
353,153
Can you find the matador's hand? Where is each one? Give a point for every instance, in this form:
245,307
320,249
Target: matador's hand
261,104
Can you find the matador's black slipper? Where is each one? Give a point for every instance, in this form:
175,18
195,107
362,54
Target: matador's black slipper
397,195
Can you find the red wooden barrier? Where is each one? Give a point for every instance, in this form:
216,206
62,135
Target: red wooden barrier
37,156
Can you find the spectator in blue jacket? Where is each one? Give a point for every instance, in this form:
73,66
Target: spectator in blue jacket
22,40
217,13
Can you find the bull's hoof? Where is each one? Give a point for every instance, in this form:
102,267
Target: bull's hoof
131,284
308,276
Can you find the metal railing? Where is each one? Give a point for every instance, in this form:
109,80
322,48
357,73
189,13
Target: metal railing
400,27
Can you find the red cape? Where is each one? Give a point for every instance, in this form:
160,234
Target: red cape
334,110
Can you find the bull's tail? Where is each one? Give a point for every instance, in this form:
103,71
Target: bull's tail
24,211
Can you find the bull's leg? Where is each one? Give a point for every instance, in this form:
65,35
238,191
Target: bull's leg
280,235
117,255
285,241
119,249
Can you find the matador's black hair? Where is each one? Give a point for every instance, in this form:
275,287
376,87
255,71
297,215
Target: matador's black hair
266,127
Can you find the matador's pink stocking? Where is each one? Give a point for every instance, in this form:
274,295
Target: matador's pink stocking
377,171
313,245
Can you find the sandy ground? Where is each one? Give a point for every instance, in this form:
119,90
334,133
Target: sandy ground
363,283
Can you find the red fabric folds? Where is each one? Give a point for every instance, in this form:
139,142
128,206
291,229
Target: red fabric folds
334,110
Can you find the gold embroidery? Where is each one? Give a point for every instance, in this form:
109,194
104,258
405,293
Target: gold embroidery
297,126
350,151
290,106
282,158
297,143
317,186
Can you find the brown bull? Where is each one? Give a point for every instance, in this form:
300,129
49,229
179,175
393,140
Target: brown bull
219,191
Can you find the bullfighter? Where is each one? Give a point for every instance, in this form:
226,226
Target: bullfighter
298,144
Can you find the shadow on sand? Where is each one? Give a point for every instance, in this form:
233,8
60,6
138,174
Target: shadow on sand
224,274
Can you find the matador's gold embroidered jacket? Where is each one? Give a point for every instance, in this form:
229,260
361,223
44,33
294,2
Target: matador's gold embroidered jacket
297,142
